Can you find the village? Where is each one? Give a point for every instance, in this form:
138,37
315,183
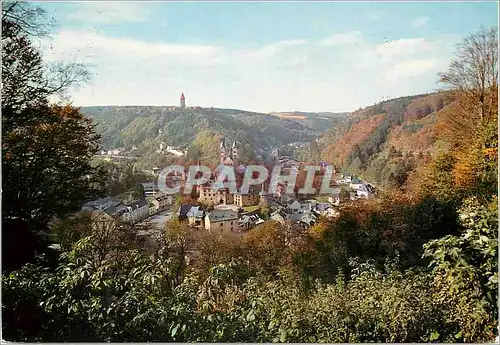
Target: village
218,209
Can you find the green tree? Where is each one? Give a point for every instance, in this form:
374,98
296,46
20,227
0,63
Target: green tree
344,195
193,153
138,192
46,149
356,166
206,144
264,208
466,272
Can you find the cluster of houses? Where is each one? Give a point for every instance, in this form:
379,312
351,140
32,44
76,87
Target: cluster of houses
359,188
153,202
285,210
121,151
228,220
302,213
227,208
298,144
170,149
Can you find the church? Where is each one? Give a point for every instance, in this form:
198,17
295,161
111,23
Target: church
228,156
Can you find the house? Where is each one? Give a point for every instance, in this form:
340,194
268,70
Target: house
100,204
307,220
136,211
280,215
310,205
247,222
356,184
365,191
215,197
174,151
150,189
161,201
286,198
345,179
116,211
295,206
249,199
221,220
195,216
263,196
322,206
114,152
183,211
152,209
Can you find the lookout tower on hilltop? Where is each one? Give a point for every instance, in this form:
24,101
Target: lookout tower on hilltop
183,101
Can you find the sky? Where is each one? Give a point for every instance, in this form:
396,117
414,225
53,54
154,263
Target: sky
263,56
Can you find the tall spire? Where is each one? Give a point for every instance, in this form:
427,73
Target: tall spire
222,150
234,151
183,101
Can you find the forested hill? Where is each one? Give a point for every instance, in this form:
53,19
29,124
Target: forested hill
150,125
387,141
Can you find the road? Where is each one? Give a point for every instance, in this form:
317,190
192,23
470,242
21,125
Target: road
155,223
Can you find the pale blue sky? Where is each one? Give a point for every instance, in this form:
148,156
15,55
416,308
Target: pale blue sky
309,56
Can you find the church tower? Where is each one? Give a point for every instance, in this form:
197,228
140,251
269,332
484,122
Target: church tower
183,101
234,151
222,149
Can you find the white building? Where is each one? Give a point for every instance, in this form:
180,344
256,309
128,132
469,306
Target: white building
222,221
114,152
136,211
365,191
150,189
174,151
195,216
356,184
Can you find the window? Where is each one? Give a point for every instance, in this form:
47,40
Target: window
231,223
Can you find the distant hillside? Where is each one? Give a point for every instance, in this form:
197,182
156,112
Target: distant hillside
387,141
148,126
320,121
304,114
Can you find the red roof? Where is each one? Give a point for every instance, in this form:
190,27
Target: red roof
182,96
